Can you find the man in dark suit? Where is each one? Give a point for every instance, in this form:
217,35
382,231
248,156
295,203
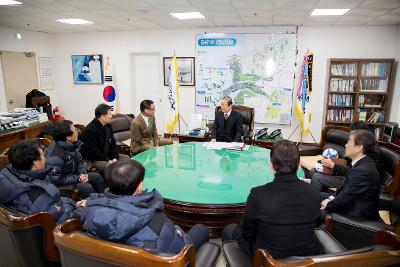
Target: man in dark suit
359,195
99,142
228,125
280,216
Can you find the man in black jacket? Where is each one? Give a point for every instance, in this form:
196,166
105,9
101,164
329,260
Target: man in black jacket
228,125
280,216
99,142
359,195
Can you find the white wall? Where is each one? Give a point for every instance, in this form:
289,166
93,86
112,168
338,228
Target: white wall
78,101
40,43
395,114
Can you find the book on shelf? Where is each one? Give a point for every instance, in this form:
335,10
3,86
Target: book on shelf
362,116
341,85
373,85
374,69
340,115
346,69
340,100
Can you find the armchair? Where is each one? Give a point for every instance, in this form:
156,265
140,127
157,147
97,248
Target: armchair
27,240
345,242
79,249
121,124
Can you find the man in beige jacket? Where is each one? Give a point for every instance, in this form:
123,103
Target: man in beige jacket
143,129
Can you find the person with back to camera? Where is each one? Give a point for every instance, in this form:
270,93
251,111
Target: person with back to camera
228,125
280,216
129,215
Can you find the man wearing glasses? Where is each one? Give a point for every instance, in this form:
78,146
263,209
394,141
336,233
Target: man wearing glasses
143,129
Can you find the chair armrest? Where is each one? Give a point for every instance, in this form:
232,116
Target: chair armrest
328,242
207,255
309,150
353,232
234,255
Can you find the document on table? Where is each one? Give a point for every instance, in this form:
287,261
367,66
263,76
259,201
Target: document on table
221,145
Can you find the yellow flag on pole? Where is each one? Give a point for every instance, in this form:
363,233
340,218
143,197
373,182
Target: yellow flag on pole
173,98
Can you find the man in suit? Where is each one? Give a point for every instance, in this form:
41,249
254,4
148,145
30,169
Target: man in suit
99,142
228,125
280,216
144,130
359,195
325,181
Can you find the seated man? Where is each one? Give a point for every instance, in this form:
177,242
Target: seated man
228,125
280,216
24,186
64,157
128,215
144,130
99,142
359,195
324,181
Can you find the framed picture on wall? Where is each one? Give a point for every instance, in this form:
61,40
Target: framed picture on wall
87,69
185,70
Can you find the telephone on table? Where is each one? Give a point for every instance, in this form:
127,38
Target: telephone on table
263,133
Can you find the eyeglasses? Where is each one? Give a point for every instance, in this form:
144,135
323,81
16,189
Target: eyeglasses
152,108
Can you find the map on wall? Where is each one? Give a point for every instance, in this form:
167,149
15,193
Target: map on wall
255,70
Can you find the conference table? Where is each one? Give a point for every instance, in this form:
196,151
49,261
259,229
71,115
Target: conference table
205,186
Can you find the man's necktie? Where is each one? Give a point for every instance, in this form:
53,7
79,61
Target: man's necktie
226,116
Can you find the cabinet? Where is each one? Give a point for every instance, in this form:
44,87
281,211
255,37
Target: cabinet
358,89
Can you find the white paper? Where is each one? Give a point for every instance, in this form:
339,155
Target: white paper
195,121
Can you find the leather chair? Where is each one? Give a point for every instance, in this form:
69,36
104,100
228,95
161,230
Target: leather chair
121,125
79,249
345,242
334,137
27,240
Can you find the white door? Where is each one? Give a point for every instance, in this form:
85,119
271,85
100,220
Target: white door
146,81
20,77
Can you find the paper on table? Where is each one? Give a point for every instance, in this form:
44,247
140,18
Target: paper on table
221,145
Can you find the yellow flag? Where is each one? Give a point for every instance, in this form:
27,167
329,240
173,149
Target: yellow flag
173,98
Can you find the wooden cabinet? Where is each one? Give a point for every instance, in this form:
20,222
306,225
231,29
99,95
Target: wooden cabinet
359,89
9,138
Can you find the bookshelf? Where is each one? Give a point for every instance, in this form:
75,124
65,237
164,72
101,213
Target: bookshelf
358,89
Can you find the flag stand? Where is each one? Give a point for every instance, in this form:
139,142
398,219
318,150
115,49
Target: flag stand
301,135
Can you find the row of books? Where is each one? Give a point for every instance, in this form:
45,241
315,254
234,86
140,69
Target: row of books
372,117
340,100
340,85
340,115
374,69
373,85
344,69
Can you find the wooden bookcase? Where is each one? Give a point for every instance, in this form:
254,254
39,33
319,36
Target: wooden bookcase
358,89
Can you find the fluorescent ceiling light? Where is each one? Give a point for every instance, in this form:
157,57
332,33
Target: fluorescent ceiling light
188,15
329,12
9,3
74,21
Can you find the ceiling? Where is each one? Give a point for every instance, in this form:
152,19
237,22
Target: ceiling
122,15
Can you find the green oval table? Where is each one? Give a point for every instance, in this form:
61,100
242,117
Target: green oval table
205,186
